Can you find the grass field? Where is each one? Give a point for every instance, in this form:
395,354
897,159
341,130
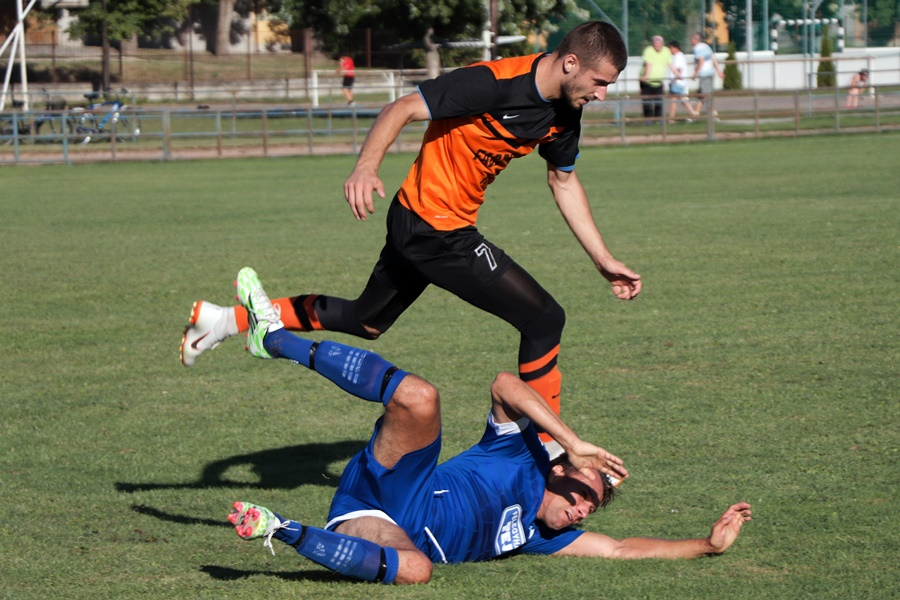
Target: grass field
759,364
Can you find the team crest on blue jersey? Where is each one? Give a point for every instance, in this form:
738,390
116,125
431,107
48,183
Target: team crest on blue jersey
511,534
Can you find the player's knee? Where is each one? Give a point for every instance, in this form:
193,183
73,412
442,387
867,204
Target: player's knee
549,323
416,396
415,567
556,316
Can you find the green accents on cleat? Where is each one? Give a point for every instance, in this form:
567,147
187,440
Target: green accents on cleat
252,522
262,316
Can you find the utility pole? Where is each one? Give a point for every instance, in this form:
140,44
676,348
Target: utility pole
494,19
749,24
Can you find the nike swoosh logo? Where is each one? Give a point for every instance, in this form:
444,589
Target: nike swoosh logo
198,340
505,117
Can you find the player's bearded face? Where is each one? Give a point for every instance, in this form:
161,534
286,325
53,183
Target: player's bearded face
569,499
587,84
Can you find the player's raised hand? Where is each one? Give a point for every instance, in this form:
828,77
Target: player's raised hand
626,284
358,191
726,529
585,456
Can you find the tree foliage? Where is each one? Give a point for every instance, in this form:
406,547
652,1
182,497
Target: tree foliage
409,21
126,18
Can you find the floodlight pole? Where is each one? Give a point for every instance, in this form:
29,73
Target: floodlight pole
16,42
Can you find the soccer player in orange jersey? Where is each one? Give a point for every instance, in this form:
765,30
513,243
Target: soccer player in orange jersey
481,117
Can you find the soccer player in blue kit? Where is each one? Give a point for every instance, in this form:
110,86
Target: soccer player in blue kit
396,512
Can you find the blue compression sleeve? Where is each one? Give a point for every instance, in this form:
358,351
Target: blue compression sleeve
351,556
362,373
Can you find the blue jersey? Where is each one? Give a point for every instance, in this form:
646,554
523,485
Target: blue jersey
487,498
476,506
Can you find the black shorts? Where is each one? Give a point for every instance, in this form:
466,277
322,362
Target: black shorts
416,254
348,82
464,263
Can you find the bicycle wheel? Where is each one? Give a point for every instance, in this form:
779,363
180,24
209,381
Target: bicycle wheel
6,130
85,127
59,127
126,130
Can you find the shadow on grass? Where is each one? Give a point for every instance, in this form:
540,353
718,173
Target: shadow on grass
281,469
228,574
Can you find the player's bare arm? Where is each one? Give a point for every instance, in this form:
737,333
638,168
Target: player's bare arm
364,179
723,534
513,399
573,203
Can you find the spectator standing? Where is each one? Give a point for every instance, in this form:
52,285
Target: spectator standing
656,62
348,71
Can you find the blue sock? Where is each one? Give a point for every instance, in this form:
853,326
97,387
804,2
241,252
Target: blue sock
362,373
347,555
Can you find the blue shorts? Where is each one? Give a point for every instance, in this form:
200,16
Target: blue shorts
402,495
678,89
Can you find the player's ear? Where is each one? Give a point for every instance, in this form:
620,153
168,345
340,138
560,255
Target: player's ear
558,470
570,63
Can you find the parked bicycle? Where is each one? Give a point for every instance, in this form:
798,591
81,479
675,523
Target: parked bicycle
36,126
103,120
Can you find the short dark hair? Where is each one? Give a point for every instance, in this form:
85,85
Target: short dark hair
593,41
674,44
609,490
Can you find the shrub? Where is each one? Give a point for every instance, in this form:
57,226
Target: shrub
732,72
825,77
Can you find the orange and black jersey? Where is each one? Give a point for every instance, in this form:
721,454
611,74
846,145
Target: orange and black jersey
483,116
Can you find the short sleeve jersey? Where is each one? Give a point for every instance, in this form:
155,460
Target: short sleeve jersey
483,116
679,68
702,50
348,69
487,498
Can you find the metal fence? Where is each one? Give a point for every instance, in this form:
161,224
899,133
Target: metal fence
113,133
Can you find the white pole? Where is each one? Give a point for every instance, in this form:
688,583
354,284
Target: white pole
314,88
17,37
23,66
749,43
392,94
11,41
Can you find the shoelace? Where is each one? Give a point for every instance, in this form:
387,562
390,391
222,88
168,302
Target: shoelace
260,300
271,528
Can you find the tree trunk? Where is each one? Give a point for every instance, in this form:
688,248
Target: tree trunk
104,39
223,28
432,56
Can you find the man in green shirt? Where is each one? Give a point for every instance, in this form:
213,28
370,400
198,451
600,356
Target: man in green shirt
653,72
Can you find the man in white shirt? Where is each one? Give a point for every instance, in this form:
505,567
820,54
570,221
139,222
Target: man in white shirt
678,88
706,67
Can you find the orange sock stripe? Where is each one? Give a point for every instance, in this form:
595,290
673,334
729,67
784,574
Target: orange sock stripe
288,314
311,312
240,316
549,387
540,363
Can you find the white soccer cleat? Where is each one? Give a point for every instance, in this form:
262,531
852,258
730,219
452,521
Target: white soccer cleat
207,328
